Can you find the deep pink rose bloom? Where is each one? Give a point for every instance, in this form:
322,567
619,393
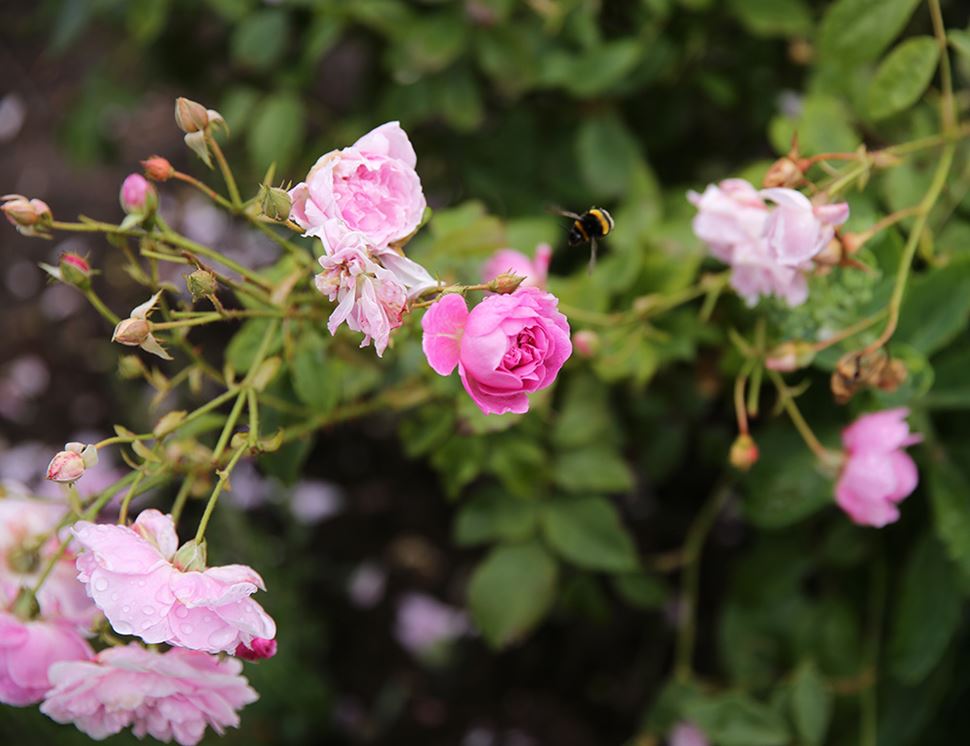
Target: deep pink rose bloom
27,650
507,347
259,649
796,229
169,696
129,572
535,271
137,195
687,734
877,473
371,187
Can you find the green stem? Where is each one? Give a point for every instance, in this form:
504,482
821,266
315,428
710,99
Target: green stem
182,497
195,321
205,189
100,307
253,415
228,428
788,402
123,513
214,497
226,172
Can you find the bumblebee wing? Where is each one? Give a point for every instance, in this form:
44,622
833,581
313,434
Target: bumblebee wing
556,210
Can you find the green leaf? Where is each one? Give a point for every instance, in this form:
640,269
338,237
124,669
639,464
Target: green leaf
606,152
495,516
811,704
936,307
950,498
276,131
960,41
245,343
316,380
859,30
927,612
773,17
596,468
641,590
511,591
588,532
738,720
903,76
259,41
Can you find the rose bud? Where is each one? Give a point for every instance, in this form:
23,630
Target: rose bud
744,452
505,283
191,556
259,649
789,356
201,283
138,197
783,173
275,202
75,270
30,216
132,332
586,342
190,116
158,168
69,465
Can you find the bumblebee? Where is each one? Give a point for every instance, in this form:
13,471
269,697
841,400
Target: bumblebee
586,228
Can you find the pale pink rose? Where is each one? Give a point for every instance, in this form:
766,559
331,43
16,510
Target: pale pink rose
137,195
754,274
507,347
729,214
370,187
878,474
687,734
169,696
27,650
371,289
130,574
796,229
258,649
535,271
424,623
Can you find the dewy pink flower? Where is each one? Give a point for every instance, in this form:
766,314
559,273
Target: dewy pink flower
797,230
27,650
130,574
878,474
371,288
535,271
169,696
371,188
507,347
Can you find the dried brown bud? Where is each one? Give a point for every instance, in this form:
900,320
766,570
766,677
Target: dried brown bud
831,255
158,168
744,452
190,116
505,283
783,173
865,369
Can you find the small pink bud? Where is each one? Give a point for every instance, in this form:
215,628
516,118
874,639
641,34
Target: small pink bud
30,216
586,342
158,168
75,269
744,452
190,116
505,283
137,195
69,465
259,649
131,331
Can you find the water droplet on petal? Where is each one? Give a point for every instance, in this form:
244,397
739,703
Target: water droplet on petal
126,608
148,610
122,628
181,612
222,637
115,596
186,629
101,585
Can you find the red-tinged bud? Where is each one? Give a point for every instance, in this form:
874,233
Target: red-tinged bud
744,452
69,465
191,556
190,116
505,283
783,173
158,168
138,196
831,255
132,332
30,216
789,356
586,342
259,649
75,270
852,242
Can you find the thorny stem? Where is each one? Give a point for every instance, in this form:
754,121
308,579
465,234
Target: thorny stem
788,402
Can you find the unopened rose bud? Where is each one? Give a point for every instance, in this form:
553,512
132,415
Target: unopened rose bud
131,331
30,216
783,173
258,649
586,342
831,255
75,270
25,605
158,168
69,465
275,202
892,376
505,283
138,196
852,242
190,116
24,560
191,556
201,283
131,367
789,356
744,452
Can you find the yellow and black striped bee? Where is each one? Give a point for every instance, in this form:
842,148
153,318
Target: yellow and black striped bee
586,228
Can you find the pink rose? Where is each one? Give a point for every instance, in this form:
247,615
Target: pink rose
877,473
796,229
535,271
687,734
27,650
258,649
169,696
370,187
130,574
507,347
755,274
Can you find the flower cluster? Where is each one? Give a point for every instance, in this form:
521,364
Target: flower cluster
770,250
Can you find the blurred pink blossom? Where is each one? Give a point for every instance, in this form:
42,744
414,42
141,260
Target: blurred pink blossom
535,271
877,473
27,650
797,230
424,623
687,734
